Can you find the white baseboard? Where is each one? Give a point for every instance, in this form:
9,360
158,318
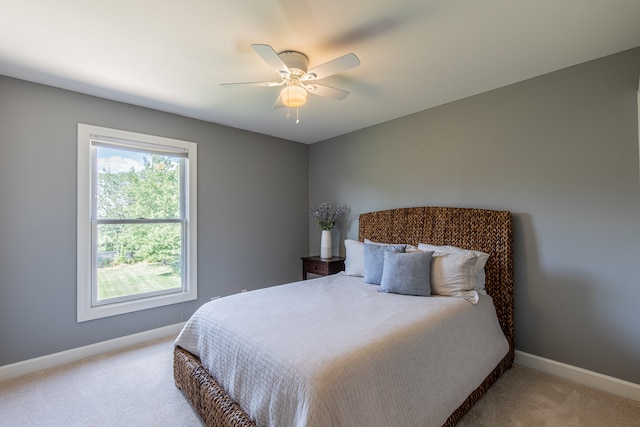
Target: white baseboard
592,379
25,367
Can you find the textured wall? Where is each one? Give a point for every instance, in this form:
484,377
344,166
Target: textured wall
252,215
561,152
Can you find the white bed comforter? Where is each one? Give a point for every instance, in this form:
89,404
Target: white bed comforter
334,351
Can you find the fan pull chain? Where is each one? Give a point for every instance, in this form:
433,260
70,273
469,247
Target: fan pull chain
288,115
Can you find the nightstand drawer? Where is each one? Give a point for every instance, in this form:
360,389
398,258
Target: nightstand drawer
321,266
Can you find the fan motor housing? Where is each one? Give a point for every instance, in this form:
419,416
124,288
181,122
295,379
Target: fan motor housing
297,62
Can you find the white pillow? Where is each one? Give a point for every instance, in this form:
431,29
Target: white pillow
478,267
354,261
454,275
408,248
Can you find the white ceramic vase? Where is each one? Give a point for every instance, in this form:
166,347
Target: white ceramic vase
325,244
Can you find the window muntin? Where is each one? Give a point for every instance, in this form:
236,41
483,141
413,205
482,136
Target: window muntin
140,228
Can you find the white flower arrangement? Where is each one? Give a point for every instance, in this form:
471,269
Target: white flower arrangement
326,216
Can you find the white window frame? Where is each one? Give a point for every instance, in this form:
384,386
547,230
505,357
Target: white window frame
87,308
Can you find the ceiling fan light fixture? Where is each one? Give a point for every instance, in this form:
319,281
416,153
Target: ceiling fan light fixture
293,95
293,69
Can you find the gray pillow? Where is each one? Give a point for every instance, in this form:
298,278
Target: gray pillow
374,260
407,273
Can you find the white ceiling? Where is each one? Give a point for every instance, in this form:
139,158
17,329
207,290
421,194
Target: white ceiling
415,54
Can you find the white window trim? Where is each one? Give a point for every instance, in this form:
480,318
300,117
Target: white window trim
85,309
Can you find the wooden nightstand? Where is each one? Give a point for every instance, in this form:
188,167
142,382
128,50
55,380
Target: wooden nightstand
321,266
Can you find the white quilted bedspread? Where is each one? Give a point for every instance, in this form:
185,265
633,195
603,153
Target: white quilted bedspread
334,351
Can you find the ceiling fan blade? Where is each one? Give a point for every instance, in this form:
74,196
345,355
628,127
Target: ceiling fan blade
253,84
278,103
327,91
332,67
271,57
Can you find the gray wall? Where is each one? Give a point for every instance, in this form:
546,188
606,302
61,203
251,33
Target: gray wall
252,215
559,151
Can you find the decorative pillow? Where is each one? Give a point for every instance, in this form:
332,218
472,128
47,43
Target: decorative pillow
374,260
454,275
354,261
478,267
407,273
408,247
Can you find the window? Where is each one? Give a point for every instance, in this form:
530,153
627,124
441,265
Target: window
136,222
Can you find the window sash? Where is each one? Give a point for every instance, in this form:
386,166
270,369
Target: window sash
183,165
95,301
145,148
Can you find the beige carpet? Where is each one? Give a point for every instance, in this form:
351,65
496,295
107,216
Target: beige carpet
525,397
126,388
135,388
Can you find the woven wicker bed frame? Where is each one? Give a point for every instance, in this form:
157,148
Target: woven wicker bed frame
484,230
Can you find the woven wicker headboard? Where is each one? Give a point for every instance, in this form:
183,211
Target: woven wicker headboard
479,229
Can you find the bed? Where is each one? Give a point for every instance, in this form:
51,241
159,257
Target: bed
474,229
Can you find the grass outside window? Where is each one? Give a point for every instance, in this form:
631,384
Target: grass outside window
138,278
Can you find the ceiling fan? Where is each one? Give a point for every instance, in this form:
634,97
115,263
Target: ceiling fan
297,79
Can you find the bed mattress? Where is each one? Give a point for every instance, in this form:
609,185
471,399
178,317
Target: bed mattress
333,351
